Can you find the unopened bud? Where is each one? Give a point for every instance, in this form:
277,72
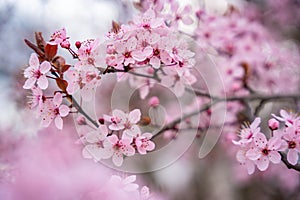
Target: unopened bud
273,124
65,44
153,101
81,120
78,44
101,120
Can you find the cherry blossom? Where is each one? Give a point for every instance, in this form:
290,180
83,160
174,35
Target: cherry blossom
85,81
117,120
37,99
292,138
36,73
286,117
117,148
126,122
177,81
144,144
126,184
54,110
148,20
91,54
60,37
265,151
249,132
94,147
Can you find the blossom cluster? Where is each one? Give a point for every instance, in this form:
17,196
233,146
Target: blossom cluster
256,150
117,136
248,57
148,46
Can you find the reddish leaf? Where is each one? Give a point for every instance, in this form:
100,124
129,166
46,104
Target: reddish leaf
40,41
62,84
65,68
35,48
50,51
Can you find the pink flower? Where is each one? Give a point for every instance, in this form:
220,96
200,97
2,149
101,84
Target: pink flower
115,148
131,127
36,73
244,160
95,138
53,110
181,14
37,98
91,54
127,122
292,137
178,81
60,37
83,80
144,144
127,184
148,20
288,118
125,50
265,151
117,120
249,132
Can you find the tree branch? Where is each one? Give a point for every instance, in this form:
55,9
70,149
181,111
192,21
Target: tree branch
286,162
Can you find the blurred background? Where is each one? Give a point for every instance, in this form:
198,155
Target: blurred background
218,177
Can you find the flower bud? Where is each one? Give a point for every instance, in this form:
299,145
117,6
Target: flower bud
273,124
65,44
153,102
101,120
78,44
81,120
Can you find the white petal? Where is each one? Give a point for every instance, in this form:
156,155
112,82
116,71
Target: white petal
64,110
117,159
58,122
45,67
42,82
29,83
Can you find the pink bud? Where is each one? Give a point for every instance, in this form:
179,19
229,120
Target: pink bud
78,44
273,124
65,44
153,102
81,120
101,120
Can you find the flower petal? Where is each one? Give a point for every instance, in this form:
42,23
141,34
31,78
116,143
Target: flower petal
134,116
29,83
58,122
42,82
45,67
64,110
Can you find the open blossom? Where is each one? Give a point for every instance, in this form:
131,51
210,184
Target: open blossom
265,151
54,110
60,37
286,117
177,80
117,148
248,133
143,143
37,99
91,54
148,20
292,138
84,81
94,147
126,184
127,122
36,73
